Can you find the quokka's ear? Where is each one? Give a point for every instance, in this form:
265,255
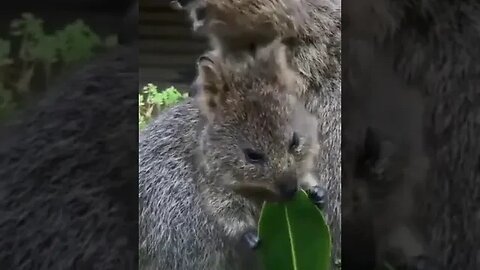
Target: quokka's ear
274,57
210,83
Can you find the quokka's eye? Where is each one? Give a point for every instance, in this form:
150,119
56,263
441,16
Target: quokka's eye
294,142
254,157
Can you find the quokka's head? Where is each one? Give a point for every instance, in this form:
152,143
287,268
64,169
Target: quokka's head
263,19
259,139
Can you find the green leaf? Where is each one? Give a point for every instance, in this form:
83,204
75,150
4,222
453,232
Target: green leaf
294,236
7,103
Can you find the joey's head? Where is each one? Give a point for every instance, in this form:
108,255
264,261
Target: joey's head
258,140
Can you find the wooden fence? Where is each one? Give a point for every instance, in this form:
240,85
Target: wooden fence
168,48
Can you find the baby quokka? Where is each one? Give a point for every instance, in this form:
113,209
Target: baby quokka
207,165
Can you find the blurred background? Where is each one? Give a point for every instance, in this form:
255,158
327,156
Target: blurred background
41,40
168,48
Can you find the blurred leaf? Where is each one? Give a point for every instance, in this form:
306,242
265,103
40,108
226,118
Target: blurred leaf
5,96
23,84
27,25
294,236
6,101
77,42
5,48
39,51
45,50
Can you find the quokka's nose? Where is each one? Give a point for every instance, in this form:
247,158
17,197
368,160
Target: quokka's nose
287,186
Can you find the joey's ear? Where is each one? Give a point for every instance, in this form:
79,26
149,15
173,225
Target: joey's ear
210,83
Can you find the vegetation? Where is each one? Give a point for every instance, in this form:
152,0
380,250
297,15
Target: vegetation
151,102
33,57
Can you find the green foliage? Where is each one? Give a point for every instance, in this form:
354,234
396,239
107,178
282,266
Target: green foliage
40,56
5,94
77,42
294,236
5,48
151,101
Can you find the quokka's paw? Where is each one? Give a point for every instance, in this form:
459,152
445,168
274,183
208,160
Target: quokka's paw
318,195
251,238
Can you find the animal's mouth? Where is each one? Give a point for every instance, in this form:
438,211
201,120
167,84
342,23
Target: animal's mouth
281,189
262,192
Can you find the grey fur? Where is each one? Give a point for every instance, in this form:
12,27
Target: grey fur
433,48
311,29
191,156
67,173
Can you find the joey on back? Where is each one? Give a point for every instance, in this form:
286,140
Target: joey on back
259,142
